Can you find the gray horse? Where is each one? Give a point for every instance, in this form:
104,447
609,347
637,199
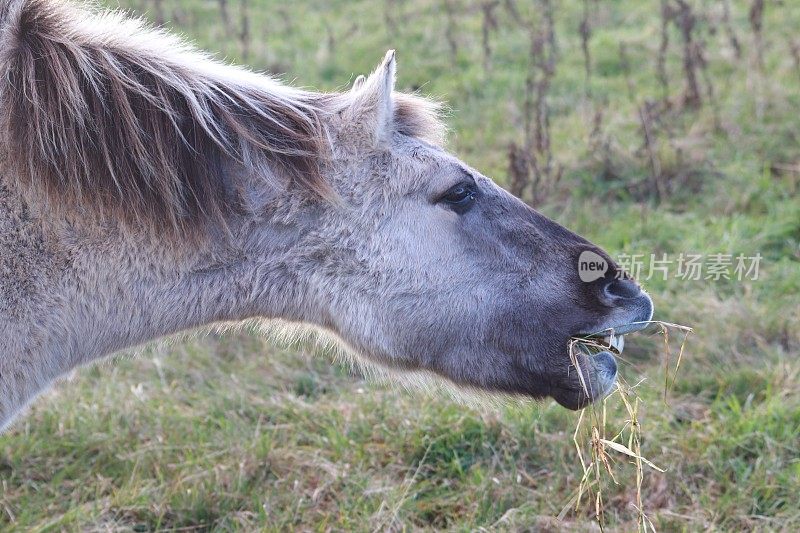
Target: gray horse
146,189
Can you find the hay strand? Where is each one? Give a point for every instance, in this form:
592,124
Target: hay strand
599,453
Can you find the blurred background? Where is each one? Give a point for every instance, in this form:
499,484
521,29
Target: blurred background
657,129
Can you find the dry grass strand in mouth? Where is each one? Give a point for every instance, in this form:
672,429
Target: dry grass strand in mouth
598,451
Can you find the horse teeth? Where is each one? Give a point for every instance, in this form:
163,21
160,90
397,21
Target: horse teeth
617,341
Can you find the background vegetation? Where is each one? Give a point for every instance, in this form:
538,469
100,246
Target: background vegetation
649,127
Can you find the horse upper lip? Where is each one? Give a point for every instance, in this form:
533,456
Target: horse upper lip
633,327
623,329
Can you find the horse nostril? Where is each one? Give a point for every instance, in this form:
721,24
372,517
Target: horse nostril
622,288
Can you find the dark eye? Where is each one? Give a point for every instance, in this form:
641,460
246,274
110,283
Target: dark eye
460,198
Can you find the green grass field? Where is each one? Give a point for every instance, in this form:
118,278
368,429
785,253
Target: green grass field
234,432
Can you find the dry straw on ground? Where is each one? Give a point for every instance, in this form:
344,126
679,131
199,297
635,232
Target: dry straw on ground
598,449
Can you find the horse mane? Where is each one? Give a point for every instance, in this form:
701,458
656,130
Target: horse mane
104,115
98,110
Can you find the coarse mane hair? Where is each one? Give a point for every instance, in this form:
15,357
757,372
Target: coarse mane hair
102,114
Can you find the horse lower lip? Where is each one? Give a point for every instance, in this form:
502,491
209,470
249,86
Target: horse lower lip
608,368
599,377
607,362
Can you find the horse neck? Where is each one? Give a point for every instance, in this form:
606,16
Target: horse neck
68,297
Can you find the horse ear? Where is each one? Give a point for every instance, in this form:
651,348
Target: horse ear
372,108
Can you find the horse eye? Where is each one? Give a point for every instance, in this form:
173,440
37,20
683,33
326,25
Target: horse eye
459,198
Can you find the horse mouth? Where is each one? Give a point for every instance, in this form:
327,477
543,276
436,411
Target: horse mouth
611,338
613,342
593,356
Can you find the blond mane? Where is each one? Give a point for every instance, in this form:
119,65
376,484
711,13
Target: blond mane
101,113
